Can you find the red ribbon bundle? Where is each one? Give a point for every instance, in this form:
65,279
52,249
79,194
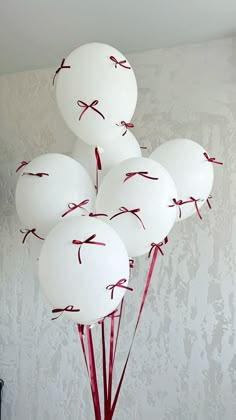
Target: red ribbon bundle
28,231
69,308
119,63
126,125
119,283
124,210
59,69
141,173
83,104
73,206
88,241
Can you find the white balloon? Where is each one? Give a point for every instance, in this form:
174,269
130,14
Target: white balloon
85,284
41,201
111,154
151,196
193,174
108,88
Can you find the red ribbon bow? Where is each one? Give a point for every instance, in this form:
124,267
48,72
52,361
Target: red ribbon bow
208,201
88,241
212,159
195,201
23,163
133,211
158,246
59,69
141,173
69,308
73,206
83,104
126,125
39,174
178,203
27,232
119,63
119,283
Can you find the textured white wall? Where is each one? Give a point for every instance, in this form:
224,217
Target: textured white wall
183,364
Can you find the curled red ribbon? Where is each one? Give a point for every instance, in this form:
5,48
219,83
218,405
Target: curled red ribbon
119,283
126,125
141,173
212,159
73,206
157,246
27,232
69,308
119,63
88,241
208,201
83,104
23,163
195,201
39,174
178,203
59,69
124,210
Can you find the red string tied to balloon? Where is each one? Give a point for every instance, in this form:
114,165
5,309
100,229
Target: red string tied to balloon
178,203
69,308
73,206
124,210
98,159
212,159
39,174
126,125
88,241
109,316
28,231
141,173
23,163
119,283
195,201
91,106
59,69
208,201
119,63
157,246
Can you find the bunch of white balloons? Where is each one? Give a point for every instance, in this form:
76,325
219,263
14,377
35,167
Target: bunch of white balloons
88,234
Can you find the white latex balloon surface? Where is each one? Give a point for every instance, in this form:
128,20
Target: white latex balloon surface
42,200
149,197
111,154
66,281
192,173
95,94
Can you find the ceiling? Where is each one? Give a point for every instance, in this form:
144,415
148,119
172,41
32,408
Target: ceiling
38,33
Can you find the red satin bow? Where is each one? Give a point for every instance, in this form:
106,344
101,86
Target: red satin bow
83,104
87,241
39,174
23,163
141,173
212,159
178,203
27,232
119,283
195,201
133,211
208,201
119,63
73,206
158,246
126,125
69,308
59,69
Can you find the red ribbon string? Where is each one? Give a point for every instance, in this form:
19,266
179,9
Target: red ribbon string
131,263
69,308
212,159
104,366
148,280
39,174
143,147
73,206
208,201
28,231
110,370
59,69
91,106
97,214
119,283
195,201
119,63
93,375
98,165
88,241
178,203
124,210
141,173
157,246
108,316
23,163
126,125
